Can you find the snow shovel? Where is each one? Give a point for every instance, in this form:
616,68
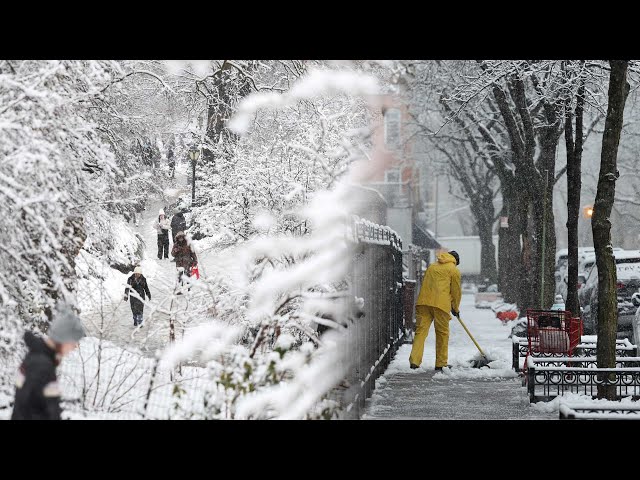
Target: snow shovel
482,362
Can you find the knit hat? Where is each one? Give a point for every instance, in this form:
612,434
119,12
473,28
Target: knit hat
137,270
66,326
456,256
161,212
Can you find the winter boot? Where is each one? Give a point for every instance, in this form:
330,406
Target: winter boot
413,366
439,369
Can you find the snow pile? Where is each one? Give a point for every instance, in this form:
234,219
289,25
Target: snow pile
579,399
496,369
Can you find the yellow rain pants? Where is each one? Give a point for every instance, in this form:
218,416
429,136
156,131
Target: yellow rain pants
425,315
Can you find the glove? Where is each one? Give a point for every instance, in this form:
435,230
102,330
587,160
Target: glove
454,313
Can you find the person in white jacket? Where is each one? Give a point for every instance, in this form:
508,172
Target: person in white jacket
162,227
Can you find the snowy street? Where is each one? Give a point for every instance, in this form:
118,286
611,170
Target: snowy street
461,392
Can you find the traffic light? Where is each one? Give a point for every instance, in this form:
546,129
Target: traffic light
587,211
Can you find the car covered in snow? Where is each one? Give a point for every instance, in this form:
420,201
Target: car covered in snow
586,261
628,273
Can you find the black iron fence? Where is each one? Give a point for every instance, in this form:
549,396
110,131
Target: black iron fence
546,383
376,278
584,349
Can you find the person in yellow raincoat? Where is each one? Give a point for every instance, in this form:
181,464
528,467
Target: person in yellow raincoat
440,294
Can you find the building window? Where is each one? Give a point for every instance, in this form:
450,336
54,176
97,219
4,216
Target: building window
392,175
392,128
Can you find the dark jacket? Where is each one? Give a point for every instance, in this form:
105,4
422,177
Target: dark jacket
37,390
141,287
178,223
184,255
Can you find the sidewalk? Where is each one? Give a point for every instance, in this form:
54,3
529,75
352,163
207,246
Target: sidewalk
461,393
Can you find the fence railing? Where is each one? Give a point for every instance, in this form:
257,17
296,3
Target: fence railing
584,349
621,411
376,277
546,383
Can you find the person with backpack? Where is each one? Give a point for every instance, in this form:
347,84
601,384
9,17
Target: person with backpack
37,391
162,227
185,256
440,294
137,282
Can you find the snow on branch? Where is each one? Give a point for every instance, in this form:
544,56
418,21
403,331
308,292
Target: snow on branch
316,83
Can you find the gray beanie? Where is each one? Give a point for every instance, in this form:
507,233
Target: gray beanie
66,326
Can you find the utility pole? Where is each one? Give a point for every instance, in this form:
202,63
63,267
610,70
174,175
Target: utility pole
436,226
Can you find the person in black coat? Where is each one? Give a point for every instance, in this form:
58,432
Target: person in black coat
178,224
37,390
138,283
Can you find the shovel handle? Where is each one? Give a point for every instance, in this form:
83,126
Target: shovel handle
470,336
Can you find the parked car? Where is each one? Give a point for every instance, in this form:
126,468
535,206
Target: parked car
586,261
628,272
562,286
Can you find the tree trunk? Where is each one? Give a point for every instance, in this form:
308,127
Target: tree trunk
510,248
574,185
544,233
601,225
487,251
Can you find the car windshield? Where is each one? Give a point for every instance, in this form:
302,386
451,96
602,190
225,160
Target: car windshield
628,268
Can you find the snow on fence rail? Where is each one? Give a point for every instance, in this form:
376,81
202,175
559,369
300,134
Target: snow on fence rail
546,383
609,411
587,347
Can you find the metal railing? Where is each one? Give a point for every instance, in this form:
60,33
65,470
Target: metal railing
621,411
584,349
546,383
376,277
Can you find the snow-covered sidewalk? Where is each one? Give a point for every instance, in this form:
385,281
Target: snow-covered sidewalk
493,392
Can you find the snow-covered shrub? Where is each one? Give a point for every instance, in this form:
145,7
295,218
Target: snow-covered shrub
287,284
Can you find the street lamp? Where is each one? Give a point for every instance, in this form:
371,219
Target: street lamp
587,211
193,154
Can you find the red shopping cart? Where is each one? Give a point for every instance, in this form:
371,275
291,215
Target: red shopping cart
552,333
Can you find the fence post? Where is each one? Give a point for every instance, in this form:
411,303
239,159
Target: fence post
531,384
151,382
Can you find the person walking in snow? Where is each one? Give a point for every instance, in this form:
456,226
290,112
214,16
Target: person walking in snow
37,390
185,256
178,224
162,227
440,294
137,282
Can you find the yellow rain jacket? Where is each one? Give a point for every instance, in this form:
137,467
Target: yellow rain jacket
441,285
